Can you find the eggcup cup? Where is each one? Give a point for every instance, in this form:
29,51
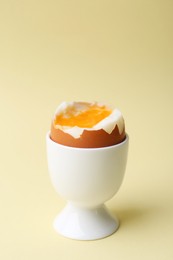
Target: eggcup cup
86,178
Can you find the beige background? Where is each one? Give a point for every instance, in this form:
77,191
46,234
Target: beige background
119,52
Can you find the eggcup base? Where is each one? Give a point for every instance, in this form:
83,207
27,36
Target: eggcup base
85,223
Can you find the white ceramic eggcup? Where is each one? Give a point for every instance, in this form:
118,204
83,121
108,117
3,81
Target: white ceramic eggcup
86,178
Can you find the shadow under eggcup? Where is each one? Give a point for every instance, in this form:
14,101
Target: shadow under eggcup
86,178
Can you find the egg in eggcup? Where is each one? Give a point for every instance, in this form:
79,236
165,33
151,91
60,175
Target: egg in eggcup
86,173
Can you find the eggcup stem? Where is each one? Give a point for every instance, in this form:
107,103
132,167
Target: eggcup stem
85,223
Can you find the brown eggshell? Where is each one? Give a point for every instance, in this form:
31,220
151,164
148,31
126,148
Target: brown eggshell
88,139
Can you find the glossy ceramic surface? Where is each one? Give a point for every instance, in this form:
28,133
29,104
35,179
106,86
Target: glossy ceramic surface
86,178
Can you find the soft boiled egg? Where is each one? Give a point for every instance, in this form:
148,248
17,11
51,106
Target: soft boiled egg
87,125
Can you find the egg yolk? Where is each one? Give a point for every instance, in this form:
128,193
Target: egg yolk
84,119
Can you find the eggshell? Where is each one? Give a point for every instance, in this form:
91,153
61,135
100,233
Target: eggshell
89,138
